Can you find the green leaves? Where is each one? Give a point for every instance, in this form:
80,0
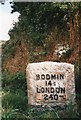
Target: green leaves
14,82
14,99
36,19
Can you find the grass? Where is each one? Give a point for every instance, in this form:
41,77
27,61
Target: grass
15,105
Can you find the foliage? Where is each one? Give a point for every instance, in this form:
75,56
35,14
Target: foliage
13,83
14,102
15,92
35,24
36,19
8,50
53,113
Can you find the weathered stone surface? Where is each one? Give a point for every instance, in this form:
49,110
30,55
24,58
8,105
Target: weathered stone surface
50,83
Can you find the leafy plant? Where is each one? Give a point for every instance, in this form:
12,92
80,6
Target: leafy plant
15,94
14,82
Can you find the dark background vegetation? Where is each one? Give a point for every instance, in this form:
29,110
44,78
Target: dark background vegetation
42,27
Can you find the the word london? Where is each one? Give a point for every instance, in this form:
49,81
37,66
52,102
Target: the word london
50,83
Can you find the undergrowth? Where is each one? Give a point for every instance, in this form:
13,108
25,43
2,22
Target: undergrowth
15,102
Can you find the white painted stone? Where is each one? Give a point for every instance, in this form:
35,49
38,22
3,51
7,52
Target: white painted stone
50,83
